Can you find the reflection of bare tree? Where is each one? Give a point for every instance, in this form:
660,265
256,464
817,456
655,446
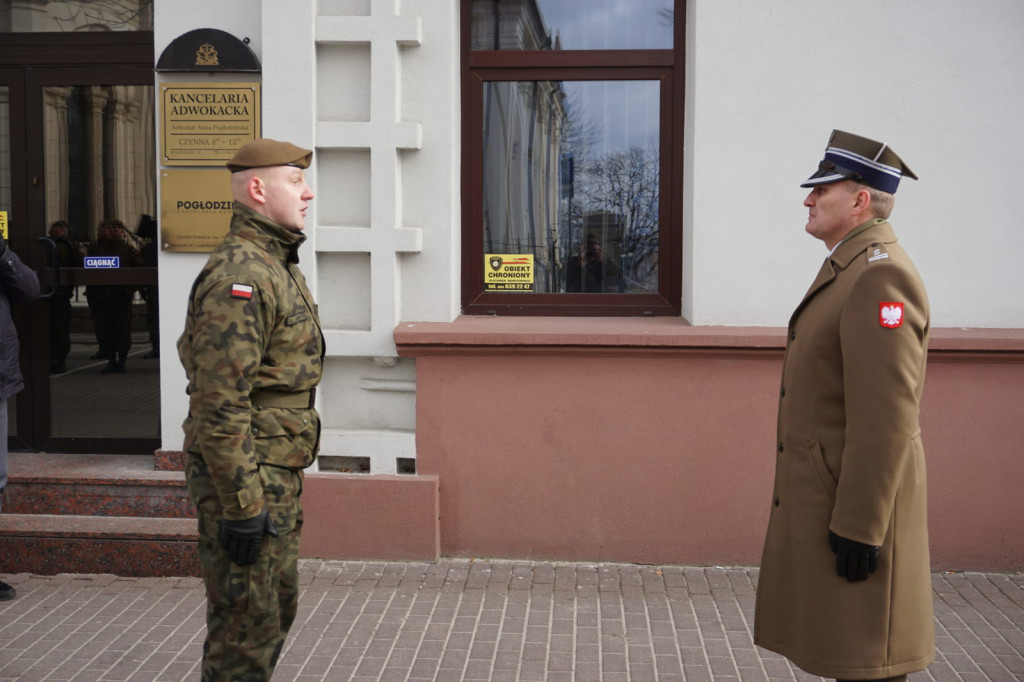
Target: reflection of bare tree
579,137
666,16
115,15
579,133
614,199
626,184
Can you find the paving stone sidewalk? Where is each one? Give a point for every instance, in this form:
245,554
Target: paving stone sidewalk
474,620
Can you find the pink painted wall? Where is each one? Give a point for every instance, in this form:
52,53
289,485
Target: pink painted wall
385,518
640,459
605,443
972,421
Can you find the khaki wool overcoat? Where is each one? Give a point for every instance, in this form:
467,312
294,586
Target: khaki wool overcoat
849,459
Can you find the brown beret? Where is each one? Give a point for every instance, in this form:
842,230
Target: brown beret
266,152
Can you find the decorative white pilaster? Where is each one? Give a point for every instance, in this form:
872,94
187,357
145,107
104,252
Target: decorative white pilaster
386,136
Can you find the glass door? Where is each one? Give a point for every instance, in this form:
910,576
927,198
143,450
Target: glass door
88,184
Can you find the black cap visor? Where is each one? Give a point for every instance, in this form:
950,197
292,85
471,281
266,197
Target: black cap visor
829,172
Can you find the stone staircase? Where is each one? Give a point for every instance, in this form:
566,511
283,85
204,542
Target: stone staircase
93,514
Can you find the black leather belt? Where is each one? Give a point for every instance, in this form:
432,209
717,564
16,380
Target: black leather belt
296,400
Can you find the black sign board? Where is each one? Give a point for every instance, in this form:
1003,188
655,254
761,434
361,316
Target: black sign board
208,49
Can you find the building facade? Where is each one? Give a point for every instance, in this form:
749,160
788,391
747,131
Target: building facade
636,167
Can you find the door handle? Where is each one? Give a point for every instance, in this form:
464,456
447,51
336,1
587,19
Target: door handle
55,266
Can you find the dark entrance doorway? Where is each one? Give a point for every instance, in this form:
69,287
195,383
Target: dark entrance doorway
77,162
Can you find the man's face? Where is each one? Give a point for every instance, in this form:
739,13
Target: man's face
287,196
830,215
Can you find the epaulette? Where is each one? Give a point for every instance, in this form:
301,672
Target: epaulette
877,252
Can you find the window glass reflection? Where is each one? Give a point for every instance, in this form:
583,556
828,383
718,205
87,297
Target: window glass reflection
99,149
571,178
572,24
67,16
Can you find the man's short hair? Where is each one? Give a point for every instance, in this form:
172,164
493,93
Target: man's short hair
881,202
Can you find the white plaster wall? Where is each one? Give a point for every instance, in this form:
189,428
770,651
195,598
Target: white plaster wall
941,81
430,192
373,88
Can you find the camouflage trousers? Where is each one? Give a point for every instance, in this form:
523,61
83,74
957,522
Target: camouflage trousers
249,608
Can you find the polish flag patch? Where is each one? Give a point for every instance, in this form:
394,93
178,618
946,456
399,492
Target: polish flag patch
890,314
241,291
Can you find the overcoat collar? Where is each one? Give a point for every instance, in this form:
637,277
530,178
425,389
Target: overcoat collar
860,238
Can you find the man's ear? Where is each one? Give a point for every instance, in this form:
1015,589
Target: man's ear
256,189
862,202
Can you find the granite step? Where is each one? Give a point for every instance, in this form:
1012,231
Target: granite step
48,544
114,514
94,485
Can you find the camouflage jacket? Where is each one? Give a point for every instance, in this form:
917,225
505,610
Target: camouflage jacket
251,331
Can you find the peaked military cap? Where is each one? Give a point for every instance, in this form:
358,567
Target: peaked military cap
266,152
852,157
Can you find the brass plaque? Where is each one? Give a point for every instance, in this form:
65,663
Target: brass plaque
195,208
204,123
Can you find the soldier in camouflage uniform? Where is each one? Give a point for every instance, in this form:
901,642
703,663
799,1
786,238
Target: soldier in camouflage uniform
253,353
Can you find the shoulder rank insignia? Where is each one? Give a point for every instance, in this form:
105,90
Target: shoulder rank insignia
890,314
241,291
877,252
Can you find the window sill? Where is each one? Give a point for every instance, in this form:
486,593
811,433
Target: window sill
473,334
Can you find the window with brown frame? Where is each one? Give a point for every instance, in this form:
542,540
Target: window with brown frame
572,153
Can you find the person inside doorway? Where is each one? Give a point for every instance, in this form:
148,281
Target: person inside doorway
111,304
68,256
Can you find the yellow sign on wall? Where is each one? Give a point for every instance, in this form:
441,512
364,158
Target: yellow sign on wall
3,225
203,124
507,272
195,208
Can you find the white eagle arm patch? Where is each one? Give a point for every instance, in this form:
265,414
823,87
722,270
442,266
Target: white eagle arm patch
890,314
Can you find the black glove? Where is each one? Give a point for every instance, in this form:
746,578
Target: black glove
854,560
242,539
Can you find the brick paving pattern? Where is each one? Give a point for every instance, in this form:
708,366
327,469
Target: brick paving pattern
474,620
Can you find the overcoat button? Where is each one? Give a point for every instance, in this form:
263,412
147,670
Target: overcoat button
782,392
776,502
792,336
780,447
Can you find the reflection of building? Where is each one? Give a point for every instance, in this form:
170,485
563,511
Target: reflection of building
523,125
100,155
509,25
105,130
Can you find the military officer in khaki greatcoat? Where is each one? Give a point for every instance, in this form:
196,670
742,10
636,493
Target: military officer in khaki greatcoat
253,353
845,587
